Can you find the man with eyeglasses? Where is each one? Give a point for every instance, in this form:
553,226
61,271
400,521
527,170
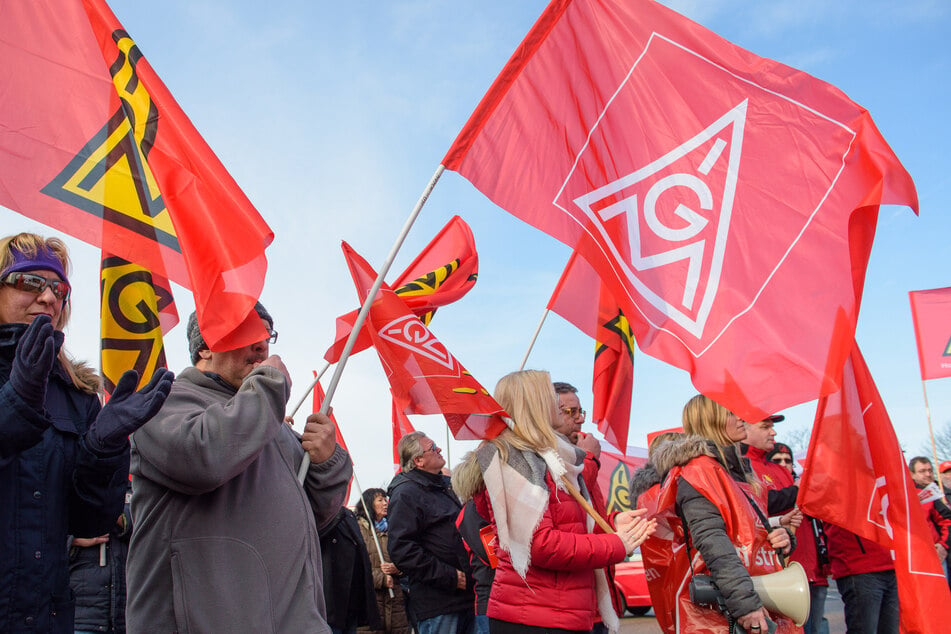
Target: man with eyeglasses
782,489
225,538
424,543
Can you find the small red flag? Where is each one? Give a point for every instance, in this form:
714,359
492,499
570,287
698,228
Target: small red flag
931,314
580,298
318,402
873,497
401,426
424,376
443,272
122,167
726,200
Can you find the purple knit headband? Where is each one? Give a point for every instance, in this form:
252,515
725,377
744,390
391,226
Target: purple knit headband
43,259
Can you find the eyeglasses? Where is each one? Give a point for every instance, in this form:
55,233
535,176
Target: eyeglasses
37,284
573,412
434,449
782,460
272,336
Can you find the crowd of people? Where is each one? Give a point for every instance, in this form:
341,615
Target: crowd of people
176,507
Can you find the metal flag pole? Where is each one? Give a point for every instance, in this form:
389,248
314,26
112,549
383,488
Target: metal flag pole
310,389
365,308
376,538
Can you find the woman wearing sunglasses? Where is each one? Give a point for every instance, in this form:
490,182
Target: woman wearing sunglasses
64,460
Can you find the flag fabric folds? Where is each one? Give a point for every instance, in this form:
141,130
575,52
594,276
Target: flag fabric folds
401,426
122,167
614,479
580,298
443,272
319,396
931,314
424,376
727,201
137,310
873,496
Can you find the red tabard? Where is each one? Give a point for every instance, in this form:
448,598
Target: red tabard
665,554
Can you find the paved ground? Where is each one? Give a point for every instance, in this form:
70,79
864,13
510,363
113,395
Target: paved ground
648,624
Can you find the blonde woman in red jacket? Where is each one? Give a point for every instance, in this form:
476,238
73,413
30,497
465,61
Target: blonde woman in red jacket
550,556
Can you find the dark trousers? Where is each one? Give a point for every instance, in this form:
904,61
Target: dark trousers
871,602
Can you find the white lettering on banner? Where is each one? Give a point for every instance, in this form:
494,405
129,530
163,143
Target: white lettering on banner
410,333
766,558
743,552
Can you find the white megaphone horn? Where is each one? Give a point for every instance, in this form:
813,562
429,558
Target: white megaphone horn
786,592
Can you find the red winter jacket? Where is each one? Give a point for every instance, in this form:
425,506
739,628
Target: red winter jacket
849,554
559,587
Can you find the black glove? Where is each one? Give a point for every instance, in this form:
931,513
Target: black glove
127,410
35,354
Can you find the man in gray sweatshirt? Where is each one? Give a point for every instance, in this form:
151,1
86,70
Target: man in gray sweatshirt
225,537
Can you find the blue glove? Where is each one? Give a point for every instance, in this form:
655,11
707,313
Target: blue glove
127,410
33,361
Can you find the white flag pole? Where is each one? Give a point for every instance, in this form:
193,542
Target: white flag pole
365,309
310,389
534,338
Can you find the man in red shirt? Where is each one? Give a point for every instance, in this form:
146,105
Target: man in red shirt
781,489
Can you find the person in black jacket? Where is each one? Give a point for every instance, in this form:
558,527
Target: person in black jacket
97,577
424,543
348,580
64,460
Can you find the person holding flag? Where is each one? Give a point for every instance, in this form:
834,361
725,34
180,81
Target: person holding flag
64,459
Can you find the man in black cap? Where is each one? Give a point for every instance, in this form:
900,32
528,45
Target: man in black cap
225,537
760,440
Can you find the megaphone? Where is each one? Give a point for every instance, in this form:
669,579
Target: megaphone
786,592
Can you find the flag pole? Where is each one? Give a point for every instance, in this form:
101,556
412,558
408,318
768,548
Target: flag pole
376,539
310,389
934,448
531,344
365,308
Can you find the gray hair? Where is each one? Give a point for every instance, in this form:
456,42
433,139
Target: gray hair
409,448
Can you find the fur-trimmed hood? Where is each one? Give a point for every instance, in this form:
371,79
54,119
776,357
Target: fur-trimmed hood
677,453
642,480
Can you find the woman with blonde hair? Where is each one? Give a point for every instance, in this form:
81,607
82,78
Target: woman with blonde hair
711,513
64,460
550,559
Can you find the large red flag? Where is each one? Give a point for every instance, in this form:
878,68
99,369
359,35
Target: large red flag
424,376
614,479
94,145
401,426
855,477
580,298
931,314
443,272
723,198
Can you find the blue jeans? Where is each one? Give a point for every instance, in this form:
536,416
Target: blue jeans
455,623
481,624
816,623
871,602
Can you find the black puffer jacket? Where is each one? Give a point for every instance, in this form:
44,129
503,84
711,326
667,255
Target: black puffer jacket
425,545
51,486
705,526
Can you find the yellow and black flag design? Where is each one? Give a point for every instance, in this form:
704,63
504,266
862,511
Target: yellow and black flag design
137,308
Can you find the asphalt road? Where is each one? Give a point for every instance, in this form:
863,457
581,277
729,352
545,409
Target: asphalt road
648,624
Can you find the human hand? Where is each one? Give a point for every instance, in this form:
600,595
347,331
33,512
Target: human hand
792,519
779,540
86,542
754,622
388,581
389,568
590,444
33,361
127,410
460,580
627,518
942,552
275,361
318,438
634,533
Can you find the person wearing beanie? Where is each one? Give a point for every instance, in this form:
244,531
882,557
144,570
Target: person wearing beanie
64,459
225,539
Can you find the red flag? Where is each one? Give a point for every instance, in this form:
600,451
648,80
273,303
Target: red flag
715,192
443,272
580,298
931,314
122,167
318,401
424,376
401,427
614,479
873,497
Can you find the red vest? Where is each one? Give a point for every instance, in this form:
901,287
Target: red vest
665,553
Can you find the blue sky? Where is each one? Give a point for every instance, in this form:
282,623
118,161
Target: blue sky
333,117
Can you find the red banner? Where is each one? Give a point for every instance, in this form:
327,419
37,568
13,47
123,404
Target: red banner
401,426
727,201
614,479
443,272
122,167
874,497
424,376
580,298
931,314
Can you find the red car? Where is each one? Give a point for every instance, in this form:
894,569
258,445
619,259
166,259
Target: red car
632,584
